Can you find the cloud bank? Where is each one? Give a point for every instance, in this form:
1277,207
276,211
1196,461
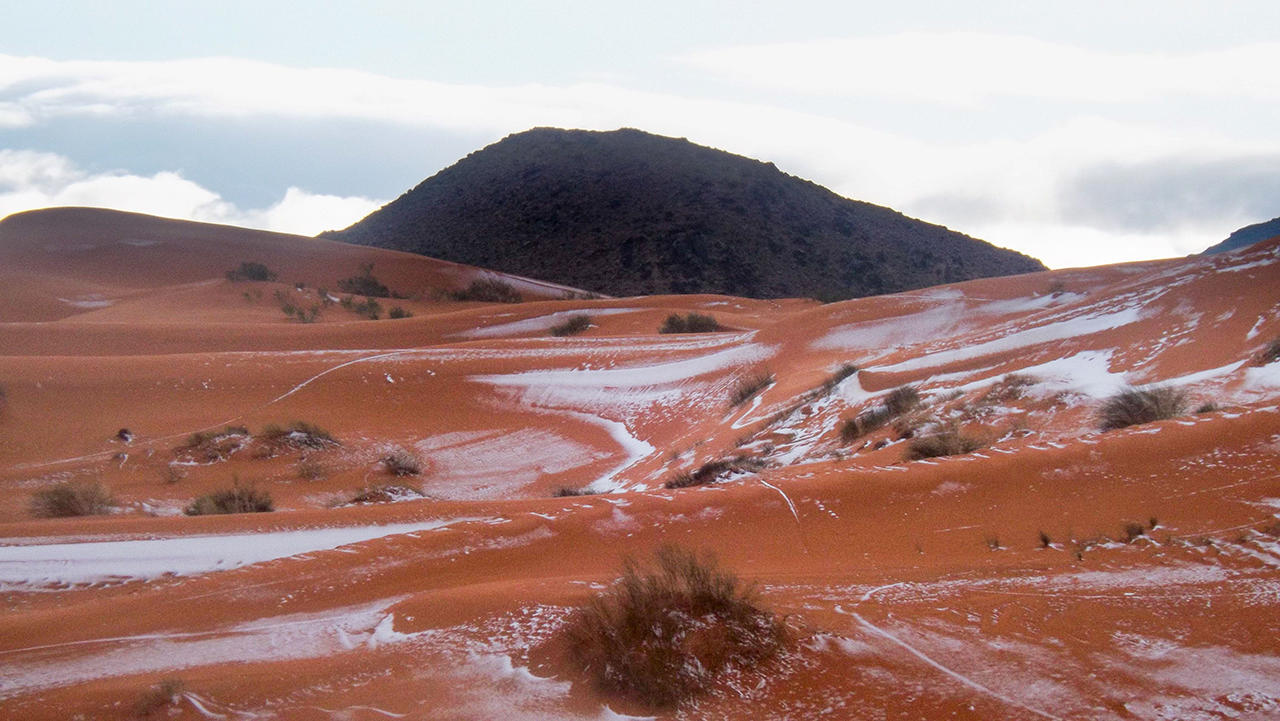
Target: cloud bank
1073,155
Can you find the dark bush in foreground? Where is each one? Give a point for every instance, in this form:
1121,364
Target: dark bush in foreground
402,463
488,291
1134,406
949,442
749,386
572,325
665,629
251,271
237,499
71,498
691,323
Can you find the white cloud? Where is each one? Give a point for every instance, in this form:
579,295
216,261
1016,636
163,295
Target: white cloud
960,67
1009,190
30,180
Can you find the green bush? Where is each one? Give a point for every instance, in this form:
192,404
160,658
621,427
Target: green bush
365,284
691,323
1135,406
71,498
666,629
237,499
572,325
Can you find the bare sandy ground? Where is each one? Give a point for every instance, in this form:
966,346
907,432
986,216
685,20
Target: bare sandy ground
1055,572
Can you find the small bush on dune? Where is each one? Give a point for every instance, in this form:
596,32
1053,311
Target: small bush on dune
397,313
251,271
902,399
863,423
160,697
401,462
71,498
237,499
299,434
365,284
711,471
385,493
839,375
691,323
1270,354
667,628
572,325
488,290
569,492
749,386
949,442
1135,406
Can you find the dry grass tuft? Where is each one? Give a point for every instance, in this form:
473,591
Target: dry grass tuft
163,695
572,325
749,386
691,323
667,628
401,462
237,499
1135,406
948,442
71,498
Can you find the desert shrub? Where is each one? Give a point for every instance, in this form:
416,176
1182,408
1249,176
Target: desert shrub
488,290
1206,408
750,385
572,325
401,462
691,323
171,474
397,312
251,271
299,435
1010,388
839,375
212,446
311,469
949,442
163,695
71,498
663,632
384,493
711,471
369,308
902,399
365,284
568,492
1132,531
1270,354
1134,406
237,499
866,422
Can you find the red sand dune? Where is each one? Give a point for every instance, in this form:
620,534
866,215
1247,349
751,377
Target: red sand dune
1056,572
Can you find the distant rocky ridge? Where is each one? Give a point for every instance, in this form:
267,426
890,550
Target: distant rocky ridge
1246,236
630,213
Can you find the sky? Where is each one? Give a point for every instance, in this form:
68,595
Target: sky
1080,133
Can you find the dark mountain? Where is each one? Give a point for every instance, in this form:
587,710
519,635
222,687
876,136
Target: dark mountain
1247,235
630,213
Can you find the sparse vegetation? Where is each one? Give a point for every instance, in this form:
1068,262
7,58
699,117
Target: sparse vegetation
1207,408
71,498
369,308
866,422
385,493
1135,406
568,492
749,386
298,435
711,471
163,695
237,499
213,446
397,313
365,284
1270,354
572,325
947,442
401,462
172,474
1045,541
902,399
1132,531
691,323
488,290
251,271
664,630
311,468
837,377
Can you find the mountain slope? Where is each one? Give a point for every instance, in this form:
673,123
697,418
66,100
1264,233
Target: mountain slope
630,213
1245,236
